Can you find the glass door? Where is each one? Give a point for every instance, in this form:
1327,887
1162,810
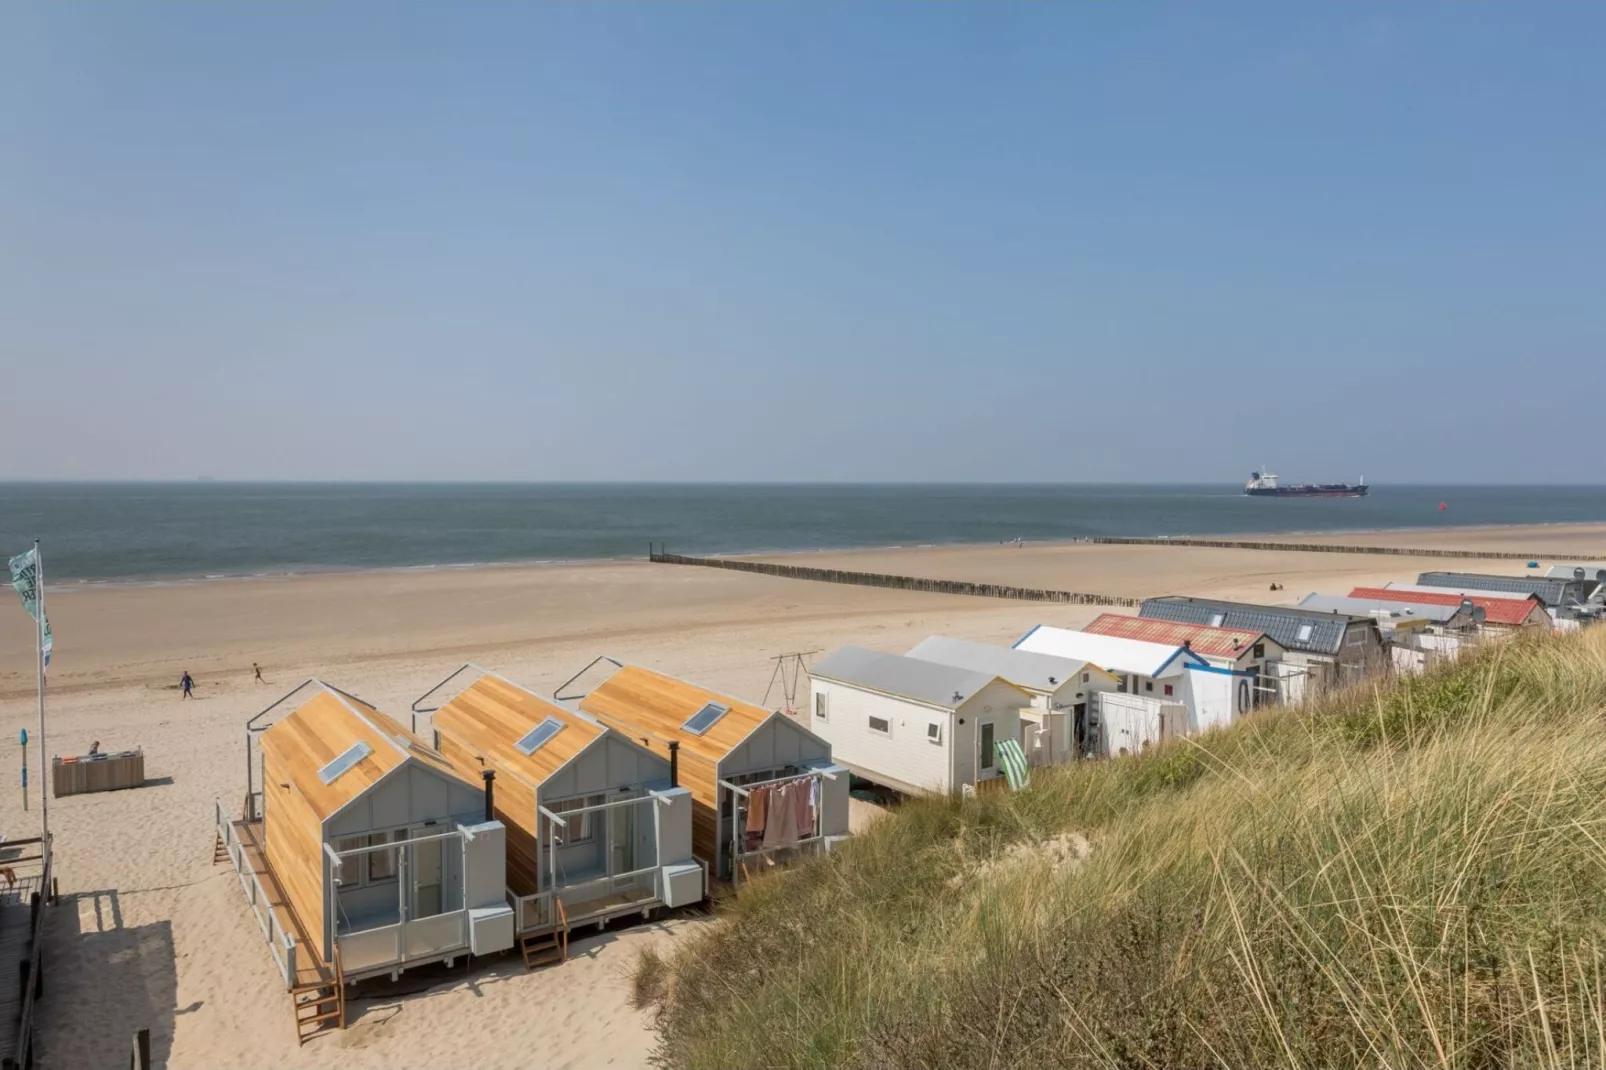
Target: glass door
425,870
987,764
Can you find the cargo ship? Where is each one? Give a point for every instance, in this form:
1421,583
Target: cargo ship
1265,485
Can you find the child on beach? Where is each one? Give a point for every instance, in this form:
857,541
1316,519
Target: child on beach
187,683
258,670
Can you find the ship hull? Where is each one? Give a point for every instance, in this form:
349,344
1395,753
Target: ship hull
1325,491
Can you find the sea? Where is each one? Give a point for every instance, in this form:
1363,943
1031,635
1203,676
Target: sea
163,532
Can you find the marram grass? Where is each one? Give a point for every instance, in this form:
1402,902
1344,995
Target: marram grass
1410,875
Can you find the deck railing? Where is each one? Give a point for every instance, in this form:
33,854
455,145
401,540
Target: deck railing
533,913
32,984
281,944
394,945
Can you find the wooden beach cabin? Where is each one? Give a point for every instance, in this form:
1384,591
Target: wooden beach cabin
596,827
727,751
363,851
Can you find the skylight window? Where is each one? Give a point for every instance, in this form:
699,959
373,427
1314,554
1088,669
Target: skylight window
1304,632
1216,619
350,757
704,719
538,736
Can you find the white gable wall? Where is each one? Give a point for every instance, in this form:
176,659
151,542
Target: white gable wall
904,759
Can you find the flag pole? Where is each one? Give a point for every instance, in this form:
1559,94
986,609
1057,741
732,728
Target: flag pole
44,755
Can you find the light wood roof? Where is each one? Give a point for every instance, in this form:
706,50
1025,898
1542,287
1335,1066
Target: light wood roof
638,702
324,727
491,715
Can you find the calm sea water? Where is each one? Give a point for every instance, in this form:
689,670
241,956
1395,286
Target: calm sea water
155,531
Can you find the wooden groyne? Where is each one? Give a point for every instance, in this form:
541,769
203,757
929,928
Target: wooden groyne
902,583
1313,548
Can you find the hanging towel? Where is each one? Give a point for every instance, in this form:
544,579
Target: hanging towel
757,808
814,805
779,805
802,795
788,808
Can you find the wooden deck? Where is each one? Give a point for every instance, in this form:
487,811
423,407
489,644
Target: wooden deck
310,967
16,919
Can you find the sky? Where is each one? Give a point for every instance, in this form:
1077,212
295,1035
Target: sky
1036,242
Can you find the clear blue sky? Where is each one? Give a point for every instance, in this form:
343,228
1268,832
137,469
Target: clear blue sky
923,241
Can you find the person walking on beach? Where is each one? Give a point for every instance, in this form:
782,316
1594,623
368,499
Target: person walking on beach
187,684
258,670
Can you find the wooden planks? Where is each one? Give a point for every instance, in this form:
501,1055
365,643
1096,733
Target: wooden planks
291,837
99,772
310,965
490,717
640,702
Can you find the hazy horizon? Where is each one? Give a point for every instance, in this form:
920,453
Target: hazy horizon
817,243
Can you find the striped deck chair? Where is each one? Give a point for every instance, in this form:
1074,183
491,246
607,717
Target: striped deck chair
1012,760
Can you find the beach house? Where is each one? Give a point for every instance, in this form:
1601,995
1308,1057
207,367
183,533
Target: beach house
363,851
1417,634
1560,594
1320,650
596,826
917,726
744,765
1162,691
1055,725
1501,614
1246,654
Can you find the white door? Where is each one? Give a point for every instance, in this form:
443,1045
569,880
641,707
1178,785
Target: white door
986,752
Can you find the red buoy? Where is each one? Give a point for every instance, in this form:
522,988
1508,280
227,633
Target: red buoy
1442,507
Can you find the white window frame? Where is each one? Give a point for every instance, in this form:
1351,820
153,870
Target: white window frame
582,828
871,719
934,733
822,708
361,866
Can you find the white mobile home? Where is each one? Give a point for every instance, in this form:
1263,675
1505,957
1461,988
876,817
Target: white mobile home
1155,671
913,725
1062,691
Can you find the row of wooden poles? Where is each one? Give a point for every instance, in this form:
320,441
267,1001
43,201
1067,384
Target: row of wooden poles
905,583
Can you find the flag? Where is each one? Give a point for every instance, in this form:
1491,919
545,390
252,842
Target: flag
25,578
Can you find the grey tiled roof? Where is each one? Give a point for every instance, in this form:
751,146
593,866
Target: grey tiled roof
924,681
1023,668
1552,591
1296,629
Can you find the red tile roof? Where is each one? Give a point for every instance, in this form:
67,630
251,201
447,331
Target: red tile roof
1496,610
1203,639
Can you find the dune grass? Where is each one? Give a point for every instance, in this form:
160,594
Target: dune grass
1410,875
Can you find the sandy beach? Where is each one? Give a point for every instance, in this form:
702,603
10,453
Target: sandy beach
151,934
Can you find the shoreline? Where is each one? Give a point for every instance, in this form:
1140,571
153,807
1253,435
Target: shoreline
71,584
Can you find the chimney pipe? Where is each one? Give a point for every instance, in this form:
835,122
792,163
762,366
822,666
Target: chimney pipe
490,794
674,763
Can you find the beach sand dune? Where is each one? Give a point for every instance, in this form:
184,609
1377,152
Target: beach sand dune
151,934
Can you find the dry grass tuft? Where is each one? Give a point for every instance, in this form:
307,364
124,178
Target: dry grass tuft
1409,876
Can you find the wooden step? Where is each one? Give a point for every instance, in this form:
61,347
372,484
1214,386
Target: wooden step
220,850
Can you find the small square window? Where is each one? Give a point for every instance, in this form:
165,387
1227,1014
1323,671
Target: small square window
1168,689
881,726
819,706
1084,678
1260,650
1148,685
934,733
